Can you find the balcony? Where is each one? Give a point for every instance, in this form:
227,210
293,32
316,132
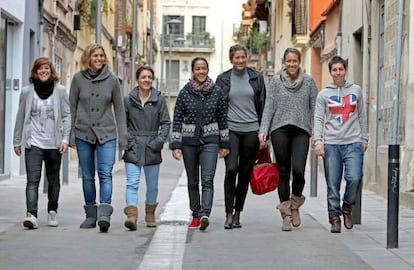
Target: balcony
260,9
202,43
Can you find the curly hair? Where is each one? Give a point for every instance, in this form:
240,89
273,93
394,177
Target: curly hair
37,64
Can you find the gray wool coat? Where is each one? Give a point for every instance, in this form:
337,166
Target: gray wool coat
93,102
148,128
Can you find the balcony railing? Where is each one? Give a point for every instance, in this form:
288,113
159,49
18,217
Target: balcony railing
189,41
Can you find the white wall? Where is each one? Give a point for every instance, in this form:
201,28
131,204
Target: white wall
14,12
225,14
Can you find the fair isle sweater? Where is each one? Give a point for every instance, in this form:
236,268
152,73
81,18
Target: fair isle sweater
200,119
289,103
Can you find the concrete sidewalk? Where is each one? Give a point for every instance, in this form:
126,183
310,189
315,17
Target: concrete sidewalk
67,246
260,244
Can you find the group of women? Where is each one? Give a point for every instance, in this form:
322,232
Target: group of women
230,118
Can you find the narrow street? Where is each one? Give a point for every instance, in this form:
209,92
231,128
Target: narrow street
260,244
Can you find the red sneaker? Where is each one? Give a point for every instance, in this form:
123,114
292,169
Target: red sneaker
195,223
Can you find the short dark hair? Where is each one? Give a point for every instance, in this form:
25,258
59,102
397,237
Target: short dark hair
337,60
198,58
141,69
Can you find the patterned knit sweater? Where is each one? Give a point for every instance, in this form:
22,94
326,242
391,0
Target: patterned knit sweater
200,119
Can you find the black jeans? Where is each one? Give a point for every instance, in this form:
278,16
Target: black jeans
291,146
240,161
34,157
204,158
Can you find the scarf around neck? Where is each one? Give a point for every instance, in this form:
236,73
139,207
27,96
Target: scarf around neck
44,89
290,85
201,89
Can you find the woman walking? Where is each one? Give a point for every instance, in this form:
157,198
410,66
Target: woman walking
199,134
287,117
148,124
42,127
95,96
341,138
245,94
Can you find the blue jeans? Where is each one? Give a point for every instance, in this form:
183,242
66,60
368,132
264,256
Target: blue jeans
348,158
204,156
133,175
34,158
105,159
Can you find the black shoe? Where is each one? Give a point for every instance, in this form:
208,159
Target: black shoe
228,224
236,220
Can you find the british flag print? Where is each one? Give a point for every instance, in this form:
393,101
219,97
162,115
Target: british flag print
342,107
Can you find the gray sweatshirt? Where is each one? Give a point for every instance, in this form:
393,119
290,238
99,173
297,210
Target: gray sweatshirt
340,116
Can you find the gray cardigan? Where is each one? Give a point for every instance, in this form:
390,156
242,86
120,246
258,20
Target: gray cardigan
93,102
61,110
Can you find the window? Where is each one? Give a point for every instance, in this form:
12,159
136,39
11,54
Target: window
199,24
173,25
173,30
58,65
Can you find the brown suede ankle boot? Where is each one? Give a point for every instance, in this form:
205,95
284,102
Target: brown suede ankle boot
132,215
150,215
286,213
335,223
347,213
296,202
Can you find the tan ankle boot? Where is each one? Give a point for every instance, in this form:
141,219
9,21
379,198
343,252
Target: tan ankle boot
150,215
286,213
296,202
132,215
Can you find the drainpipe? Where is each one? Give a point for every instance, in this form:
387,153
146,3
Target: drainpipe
98,38
41,27
134,42
394,147
339,35
151,41
55,29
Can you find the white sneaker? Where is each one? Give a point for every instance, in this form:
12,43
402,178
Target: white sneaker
30,221
51,219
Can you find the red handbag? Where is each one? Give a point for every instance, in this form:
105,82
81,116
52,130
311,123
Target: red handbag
265,174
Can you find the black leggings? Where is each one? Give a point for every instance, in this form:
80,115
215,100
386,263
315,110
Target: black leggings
291,145
239,162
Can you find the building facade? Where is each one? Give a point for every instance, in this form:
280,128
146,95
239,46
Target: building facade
368,41
189,28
